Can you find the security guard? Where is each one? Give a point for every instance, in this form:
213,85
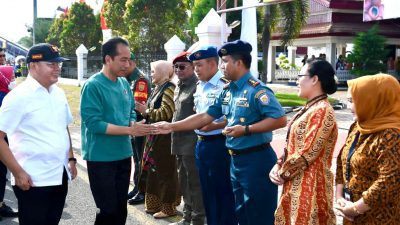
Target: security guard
252,113
140,86
212,158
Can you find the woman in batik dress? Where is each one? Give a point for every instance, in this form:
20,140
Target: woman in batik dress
304,169
158,177
368,167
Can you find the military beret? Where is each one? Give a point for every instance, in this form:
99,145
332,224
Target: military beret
133,57
204,53
235,47
182,57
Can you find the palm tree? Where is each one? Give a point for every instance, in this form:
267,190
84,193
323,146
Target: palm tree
287,18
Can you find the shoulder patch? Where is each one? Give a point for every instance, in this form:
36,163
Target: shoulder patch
262,96
253,82
260,92
223,79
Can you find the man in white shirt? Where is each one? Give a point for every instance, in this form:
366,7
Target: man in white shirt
35,116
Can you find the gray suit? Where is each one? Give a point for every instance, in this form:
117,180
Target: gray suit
183,146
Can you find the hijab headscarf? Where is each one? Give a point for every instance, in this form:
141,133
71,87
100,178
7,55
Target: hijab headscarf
376,99
163,67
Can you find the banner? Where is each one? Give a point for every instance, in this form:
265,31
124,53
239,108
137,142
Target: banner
381,10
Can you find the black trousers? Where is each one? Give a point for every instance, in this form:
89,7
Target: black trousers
137,146
3,177
3,180
42,205
109,182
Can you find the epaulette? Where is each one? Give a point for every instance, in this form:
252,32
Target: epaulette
253,82
223,79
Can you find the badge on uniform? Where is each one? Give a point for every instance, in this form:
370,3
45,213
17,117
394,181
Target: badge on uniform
263,97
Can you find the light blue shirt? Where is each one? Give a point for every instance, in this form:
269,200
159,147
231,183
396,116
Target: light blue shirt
246,101
205,95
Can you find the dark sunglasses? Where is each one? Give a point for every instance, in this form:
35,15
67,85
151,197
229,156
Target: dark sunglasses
180,67
2,55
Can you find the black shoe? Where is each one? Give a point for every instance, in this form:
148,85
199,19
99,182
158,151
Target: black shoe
138,199
132,194
7,211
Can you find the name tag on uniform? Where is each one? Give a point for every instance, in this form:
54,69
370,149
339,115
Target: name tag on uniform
211,95
242,102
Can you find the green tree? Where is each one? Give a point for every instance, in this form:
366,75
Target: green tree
56,28
80,27
152,22
113,12
369,53
42,28
26,41
292,15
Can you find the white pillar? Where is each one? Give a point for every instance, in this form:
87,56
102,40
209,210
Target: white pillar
271,63
212,30
81,53
173,47
249,32
331,54
292,54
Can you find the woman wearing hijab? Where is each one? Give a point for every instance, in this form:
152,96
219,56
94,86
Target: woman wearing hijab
304,170
159,178
368,167
7,81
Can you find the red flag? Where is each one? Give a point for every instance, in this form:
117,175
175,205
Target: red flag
102,19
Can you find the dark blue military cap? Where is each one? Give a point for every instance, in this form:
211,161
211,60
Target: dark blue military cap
44,52
235,47
204,52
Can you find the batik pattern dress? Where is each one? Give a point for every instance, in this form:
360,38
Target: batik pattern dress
307,196
374,176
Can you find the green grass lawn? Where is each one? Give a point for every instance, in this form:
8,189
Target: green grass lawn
73,94
294,100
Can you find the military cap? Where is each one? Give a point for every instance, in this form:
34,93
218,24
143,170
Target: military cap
44,52
235,47
182,57
204,53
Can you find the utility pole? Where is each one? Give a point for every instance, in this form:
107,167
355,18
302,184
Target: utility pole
34,20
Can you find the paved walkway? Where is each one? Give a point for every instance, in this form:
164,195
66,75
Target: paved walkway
80,208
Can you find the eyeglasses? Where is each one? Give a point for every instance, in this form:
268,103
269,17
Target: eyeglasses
52,64
180,67
2,55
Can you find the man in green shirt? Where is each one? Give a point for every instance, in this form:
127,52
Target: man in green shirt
108,121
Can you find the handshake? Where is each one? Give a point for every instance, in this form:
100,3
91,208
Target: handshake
142,129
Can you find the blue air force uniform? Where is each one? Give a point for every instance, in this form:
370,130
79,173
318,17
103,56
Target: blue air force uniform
245,102
212,158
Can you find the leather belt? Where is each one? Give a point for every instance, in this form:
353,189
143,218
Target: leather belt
257,148
209,137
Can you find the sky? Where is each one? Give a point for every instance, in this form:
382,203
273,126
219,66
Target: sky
15,14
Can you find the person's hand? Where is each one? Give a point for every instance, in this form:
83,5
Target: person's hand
345,209
23,180
72,169
142,129
234,131
163,127
274,175
141,107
